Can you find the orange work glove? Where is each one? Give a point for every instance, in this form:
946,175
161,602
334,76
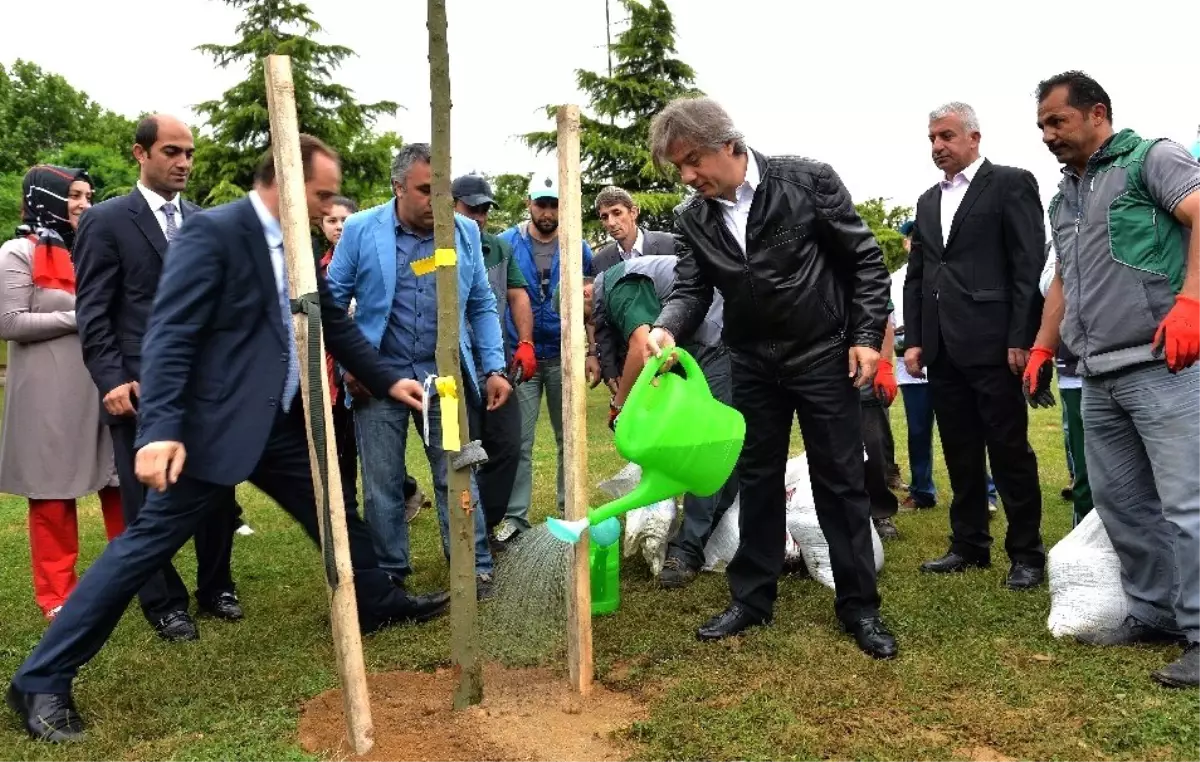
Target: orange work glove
885,382
525,360
1036,382
1179,334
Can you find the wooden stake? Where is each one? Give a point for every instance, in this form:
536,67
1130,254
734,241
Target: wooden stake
302,274
574,390
464,651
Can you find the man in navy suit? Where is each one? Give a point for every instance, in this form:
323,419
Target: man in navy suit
220,405
118,255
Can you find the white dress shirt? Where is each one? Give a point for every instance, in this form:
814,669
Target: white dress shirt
156,205
638,249
953,191
736,213
273,233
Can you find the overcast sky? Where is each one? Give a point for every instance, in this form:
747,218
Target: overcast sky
849,83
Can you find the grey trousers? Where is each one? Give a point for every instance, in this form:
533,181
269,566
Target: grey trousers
1142,437
701,514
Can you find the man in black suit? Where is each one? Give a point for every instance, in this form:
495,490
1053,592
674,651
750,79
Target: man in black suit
619,214
972,303
118,258
221,405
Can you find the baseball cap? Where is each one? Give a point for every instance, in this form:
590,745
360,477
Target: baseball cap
543,186
472,190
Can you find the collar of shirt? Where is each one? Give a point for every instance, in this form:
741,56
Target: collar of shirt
156,201
271,228
638,244
745,191
964,177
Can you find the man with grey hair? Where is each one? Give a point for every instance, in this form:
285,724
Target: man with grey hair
972,306
806,303
384,262
618,213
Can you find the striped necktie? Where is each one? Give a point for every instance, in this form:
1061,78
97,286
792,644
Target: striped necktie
169,211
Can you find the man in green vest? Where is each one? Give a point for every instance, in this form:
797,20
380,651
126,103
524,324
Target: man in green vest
1126,299
623,302
499,430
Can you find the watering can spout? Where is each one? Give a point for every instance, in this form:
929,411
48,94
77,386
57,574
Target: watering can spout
652,489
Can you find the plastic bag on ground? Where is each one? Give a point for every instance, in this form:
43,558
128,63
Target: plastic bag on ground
1086,595
804,528
647,529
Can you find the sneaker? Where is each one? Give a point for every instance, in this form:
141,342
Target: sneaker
414,503
485,588
912,503
993,504
676,573
507,531
886,528
244,530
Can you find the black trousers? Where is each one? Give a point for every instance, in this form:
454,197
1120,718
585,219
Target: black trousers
876,432
827,405
981,410
165,592
347,451
164,524
499,431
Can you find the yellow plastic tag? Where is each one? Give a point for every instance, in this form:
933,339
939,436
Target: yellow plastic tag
445,257
424,266
448,399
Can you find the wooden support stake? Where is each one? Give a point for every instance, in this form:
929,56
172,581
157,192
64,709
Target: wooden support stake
575,391
464,649
302,275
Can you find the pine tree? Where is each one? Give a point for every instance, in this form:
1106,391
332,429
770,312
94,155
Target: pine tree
240,128
614,139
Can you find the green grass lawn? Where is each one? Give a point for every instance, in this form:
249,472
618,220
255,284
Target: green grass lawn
978,674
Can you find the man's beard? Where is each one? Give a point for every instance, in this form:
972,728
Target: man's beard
546,227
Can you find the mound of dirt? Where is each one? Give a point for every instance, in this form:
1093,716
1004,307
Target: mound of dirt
526,714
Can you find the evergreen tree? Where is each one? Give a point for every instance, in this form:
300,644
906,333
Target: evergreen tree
614,140
239,123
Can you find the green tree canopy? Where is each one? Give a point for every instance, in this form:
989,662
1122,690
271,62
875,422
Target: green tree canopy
885,223
614,140
238,123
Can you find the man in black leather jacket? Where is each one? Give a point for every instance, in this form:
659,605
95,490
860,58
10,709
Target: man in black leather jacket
805,288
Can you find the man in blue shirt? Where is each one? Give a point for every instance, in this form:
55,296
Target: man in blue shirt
384,262
535,250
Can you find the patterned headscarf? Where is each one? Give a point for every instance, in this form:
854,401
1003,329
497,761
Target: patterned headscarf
45,192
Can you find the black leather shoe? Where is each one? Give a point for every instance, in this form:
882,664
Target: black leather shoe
50,717
952,563
1184,672
223,606
422,608
1024,577
177,626
873,637
732,621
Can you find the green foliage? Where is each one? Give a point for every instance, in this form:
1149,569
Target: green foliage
510,192
614,141
239,123
885,224
44,119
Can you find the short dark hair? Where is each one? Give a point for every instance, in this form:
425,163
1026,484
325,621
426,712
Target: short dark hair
309,147
346,202
146,134
1083,92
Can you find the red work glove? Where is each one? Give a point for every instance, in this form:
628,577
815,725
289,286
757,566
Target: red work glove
524,360
1179,334
885,382
1036,380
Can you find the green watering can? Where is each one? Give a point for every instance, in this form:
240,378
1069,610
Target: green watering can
684,439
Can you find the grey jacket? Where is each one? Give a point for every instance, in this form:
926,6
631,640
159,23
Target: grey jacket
653,244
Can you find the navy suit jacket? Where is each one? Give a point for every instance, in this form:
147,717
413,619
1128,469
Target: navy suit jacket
118,257
215,355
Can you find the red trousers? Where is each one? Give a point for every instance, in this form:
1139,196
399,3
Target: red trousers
54,544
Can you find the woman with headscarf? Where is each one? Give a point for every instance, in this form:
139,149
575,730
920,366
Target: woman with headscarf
53,447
